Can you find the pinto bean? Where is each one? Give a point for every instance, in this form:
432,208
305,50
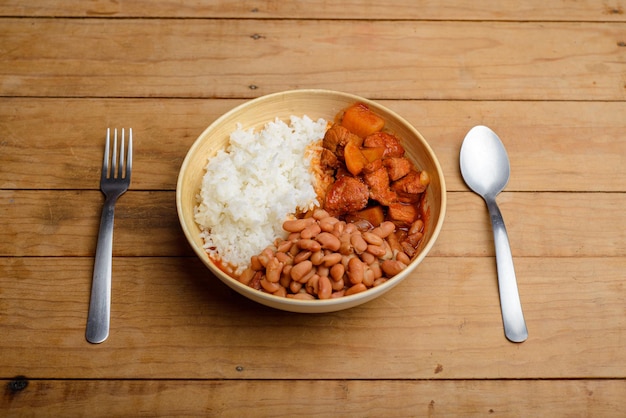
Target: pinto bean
337,271
322,271
320,214
247,276
332,259
368,277
282,292
357,241
283,258
255,283
287,270
338,228
375,268
384,229
265,256
346,246
368,258
392,267
350,228
317,258
356,270
297,225
327,224
285,280
300,270
272,271
388,251
255,264
338,284
324,287
302,296
310,231
345,259
392,239
294,250
376,250
301,256
283,246
357,288
417,226
403,258
414,239
295,286
268,286
372,238
307,276
309,244
379,281
328,241
408,249
311,284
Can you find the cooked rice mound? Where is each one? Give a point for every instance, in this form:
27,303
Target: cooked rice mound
254,185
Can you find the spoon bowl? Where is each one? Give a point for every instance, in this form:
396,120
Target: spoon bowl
485,169
491,176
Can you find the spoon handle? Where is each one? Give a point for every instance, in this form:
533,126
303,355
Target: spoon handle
512,315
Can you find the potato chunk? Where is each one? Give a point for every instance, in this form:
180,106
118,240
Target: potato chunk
360,120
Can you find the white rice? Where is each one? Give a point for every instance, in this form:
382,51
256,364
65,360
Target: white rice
254,185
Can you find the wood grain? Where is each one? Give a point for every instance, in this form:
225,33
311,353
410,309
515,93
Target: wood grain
442,323
379,59
338,398
560,10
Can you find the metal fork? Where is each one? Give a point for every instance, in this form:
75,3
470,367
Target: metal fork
113,183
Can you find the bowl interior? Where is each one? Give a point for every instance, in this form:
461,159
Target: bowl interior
315,104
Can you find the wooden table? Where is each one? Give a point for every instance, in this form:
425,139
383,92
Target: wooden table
548,77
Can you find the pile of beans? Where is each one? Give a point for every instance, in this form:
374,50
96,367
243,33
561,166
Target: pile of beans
324,257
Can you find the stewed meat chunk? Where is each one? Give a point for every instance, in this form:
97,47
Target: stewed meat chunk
336,139
409,188
397,167
402,214
347,194
391,143
329,160
378,182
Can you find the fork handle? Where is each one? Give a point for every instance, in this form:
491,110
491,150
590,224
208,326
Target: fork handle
99,316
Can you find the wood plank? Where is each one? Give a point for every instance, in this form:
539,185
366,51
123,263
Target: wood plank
553,146
560,10
65,223
39,223
338,398
538,224
441,323
379,59
66,147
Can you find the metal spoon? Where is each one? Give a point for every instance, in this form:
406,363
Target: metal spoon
485,169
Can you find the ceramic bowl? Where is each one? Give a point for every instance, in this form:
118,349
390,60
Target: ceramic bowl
315,104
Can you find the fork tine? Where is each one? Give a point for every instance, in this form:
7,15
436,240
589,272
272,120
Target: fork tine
114,167
120,167
129,153
114,156
105,161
